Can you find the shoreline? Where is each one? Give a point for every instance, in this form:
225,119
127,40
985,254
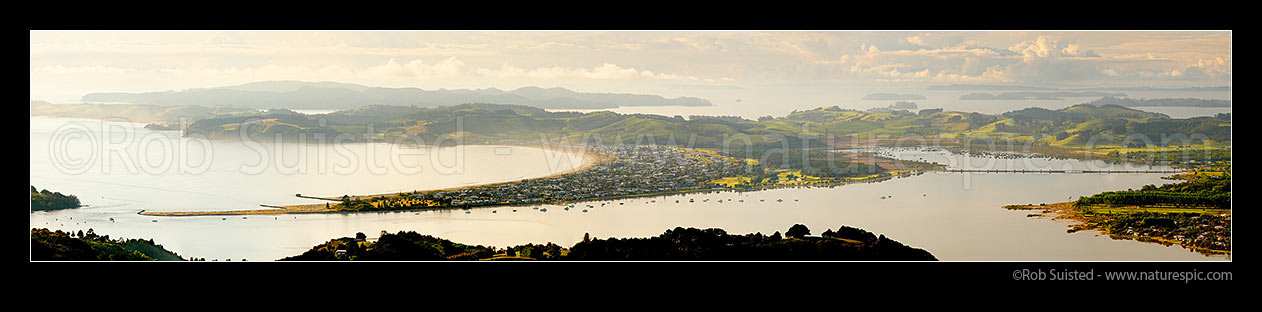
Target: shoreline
317,208
1078,223
591,159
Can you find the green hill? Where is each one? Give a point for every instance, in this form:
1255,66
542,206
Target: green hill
491,123
46,200
59,246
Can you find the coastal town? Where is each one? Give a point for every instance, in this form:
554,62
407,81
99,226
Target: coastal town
625,171
628,170
615,171
1206,232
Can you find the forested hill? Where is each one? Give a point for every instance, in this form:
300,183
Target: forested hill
42,200
61,246
495,123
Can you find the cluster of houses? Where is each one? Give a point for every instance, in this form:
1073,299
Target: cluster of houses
1200,230
630,170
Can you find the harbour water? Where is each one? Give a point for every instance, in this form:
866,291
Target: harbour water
955,216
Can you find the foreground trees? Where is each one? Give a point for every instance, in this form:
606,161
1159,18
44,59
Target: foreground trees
676,244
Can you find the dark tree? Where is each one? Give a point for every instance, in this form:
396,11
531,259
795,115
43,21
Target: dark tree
361,236
797,231
828,233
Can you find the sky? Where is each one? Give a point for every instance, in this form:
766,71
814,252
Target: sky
68,64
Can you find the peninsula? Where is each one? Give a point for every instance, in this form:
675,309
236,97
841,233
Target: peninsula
1195,213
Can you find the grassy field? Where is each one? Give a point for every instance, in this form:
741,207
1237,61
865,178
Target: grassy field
1157,209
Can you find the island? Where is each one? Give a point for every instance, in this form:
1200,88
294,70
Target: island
333,95
679,244
1183,102
1032,95
892,97
900,105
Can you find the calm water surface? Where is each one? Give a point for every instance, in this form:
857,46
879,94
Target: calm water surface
955,216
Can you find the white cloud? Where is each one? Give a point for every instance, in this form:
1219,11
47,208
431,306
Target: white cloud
608,59
605,71
916,40
447,68
1048,47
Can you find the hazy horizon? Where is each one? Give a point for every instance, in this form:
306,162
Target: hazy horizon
802,68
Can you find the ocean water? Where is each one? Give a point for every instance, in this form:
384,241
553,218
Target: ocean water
955,216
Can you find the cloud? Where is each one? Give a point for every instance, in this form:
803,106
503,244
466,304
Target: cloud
606,59
605,71
447,68
1048,47
225,39
1041,58
916,40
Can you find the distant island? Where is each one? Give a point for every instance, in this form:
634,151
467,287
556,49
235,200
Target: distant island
1188,102
679,244
332,95
900,105
45,200
973,87
1008,96
892,97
